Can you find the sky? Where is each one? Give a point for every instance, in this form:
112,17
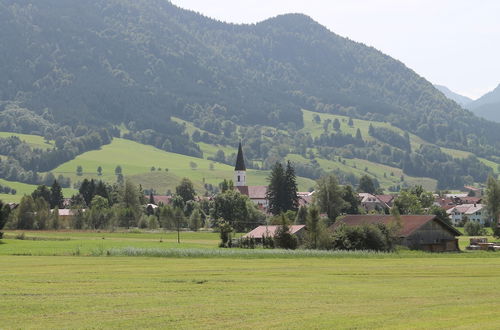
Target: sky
455,43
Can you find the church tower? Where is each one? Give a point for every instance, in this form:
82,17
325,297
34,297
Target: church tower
240,174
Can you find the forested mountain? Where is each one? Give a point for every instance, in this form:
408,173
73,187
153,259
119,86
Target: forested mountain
98,64
460,99
488,105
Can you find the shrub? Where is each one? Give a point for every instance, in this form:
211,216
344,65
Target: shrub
474,229
153,222
283,238
377,237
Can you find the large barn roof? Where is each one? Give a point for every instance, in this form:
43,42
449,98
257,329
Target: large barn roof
409,223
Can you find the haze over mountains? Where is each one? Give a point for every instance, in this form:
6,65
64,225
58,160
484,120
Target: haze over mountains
460,99
137,63
487,106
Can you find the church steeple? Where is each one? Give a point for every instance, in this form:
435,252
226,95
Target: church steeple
240,169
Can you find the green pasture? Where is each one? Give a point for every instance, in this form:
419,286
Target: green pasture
34,141
357,167
24,189
137,159
142,292
85,243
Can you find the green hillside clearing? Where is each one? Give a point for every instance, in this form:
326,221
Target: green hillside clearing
137,159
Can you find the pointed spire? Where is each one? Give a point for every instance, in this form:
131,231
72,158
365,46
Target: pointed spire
240,162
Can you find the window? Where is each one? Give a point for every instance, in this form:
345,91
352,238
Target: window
238,178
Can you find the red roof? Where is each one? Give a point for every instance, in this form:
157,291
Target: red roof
253,192
385,198
409,223
160,199
270,231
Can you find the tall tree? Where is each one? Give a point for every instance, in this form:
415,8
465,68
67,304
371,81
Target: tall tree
41,192
87,190
328,197
292,199
130,204
301,217
493,200
276,194
186,190
351,201
366,185
56,195
313,227
26,213
282,189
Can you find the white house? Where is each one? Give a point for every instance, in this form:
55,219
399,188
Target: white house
473,212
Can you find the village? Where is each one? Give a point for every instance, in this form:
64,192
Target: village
415,219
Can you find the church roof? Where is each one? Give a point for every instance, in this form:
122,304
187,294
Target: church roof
240,162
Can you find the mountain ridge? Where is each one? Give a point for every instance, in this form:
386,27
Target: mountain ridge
138,63
460,99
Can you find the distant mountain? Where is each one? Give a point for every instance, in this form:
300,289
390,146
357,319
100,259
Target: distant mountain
103,63
488,105
460,99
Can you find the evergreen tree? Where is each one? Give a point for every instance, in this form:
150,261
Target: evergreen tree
282,189
276,194
87,190
336,124
292,199
102,190
99,171
151,198
313,227
56,195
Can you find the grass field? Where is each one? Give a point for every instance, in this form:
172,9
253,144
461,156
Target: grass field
55,282
121,292
137,159
34,141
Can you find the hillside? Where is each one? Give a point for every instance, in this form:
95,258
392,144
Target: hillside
460,99
82,73
488,105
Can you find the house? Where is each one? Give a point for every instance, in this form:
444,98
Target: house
67,215
305,198
473,212
371,203
423,232
160,199
270,231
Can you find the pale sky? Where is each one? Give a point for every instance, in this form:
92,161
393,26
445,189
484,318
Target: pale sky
455,43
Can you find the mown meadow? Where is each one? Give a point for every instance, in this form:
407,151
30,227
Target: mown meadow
141,279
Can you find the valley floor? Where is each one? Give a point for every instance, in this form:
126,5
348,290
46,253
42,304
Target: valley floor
54,280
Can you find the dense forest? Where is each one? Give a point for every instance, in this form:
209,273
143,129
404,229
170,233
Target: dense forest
76,70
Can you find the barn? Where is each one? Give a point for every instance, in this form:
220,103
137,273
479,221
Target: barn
422,232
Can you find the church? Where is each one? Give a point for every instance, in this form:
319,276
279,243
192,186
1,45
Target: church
257,194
